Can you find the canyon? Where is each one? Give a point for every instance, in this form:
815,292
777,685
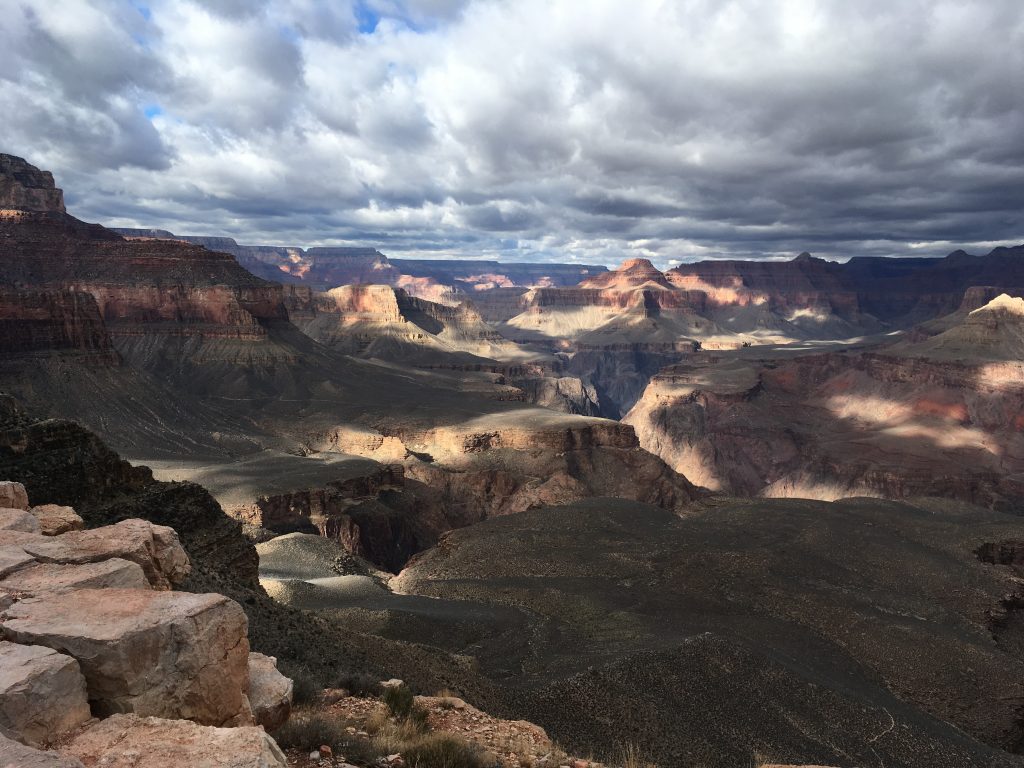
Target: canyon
733,510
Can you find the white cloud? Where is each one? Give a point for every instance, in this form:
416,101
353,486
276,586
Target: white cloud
595,129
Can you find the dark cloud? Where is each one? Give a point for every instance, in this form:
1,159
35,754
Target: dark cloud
531,130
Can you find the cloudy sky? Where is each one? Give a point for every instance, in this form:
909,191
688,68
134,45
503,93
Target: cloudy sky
587,130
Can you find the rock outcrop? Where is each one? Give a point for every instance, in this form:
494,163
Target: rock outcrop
85,634
18,520
130,741
154,547
23,187
71,286
162,654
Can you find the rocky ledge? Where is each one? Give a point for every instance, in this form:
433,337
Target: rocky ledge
102,660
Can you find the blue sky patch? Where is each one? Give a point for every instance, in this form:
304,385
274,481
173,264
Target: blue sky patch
366,18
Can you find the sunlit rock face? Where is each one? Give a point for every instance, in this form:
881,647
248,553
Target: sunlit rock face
933,416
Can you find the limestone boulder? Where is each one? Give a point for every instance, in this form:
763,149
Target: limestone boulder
13,495
270,692
18,520
13,754
154,547
55,519
130,741
42,693
40,578
161,654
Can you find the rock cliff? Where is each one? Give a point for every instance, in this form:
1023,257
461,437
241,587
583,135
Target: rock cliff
927,415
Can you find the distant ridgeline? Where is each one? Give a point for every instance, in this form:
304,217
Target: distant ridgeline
329,267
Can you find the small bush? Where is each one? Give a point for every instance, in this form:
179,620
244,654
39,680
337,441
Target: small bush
308,730
359,684
399,700
304,688
442,751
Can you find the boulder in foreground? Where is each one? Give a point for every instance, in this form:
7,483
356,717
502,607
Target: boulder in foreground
55,519
165,654
270,692
42,693
155,547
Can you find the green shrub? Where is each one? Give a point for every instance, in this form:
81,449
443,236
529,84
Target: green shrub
308,730
304,688
359,684
399,700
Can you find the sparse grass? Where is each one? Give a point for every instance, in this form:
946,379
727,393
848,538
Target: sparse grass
445,695
438,750
309,731
399,700
523,749
403,707
632,757
403,728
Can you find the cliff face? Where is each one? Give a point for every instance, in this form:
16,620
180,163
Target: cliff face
68,285
39,321
939,416
24,187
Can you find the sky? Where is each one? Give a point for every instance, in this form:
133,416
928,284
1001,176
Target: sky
531,130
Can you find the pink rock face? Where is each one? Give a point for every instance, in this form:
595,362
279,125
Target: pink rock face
165,654
128,741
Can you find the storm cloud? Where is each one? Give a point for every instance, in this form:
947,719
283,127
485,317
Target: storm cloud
532,130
